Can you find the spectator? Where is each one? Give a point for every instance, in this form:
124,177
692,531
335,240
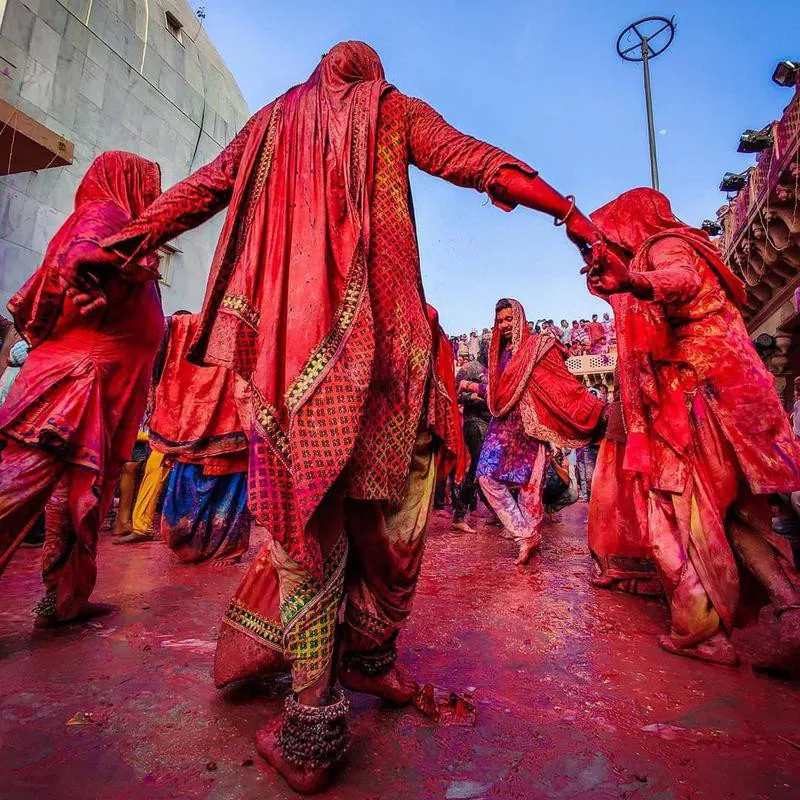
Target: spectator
595,330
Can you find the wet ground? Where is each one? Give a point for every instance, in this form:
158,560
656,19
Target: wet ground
575,699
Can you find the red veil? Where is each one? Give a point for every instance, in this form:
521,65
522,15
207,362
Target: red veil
635,221
117,187
556,407
285,304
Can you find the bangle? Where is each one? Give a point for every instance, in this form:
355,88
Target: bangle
559,222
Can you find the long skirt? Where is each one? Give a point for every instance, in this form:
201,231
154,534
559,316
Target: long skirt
282,617
205,516
717,554
618,534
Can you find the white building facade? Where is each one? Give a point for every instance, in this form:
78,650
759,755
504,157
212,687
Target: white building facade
136,75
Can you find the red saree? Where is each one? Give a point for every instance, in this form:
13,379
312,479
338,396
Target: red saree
556,407
444,418
706,433
82,394
195,417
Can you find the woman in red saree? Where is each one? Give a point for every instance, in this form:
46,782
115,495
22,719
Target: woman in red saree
72,416
196,424
706,433
315,299
535,401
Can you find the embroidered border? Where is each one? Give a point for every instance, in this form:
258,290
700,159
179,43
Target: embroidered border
325,351
264,166
241,309
310,617
241,617
322,355
267,418
369,624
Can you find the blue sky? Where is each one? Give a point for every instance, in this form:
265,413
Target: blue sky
542,80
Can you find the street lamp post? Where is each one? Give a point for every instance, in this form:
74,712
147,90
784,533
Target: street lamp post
642,41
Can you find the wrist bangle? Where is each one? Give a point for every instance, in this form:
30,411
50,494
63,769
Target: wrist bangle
559,222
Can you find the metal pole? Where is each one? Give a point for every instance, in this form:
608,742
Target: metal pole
651,132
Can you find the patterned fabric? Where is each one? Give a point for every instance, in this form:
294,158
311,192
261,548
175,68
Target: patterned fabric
282,616
521,516
308,614
508,452
205,516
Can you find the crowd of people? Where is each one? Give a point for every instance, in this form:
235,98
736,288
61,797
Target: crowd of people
597,336
317,393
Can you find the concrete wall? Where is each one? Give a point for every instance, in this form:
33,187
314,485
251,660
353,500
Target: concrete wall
108,75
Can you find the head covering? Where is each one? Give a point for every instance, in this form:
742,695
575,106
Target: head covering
127,180
638,218
117,187
635,221
555,406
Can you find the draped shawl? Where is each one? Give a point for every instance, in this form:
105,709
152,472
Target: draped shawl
652,406
195,415
556,407
285,303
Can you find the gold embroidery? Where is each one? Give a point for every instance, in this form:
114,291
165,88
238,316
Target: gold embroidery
325,351
264,166
241,309
310,615
267,418
241,617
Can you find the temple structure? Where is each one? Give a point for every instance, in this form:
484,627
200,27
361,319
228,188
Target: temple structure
78,77
761,242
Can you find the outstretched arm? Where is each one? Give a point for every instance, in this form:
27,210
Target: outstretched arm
441,150
186,205
673,276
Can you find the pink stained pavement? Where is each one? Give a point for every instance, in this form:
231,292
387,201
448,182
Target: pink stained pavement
574,697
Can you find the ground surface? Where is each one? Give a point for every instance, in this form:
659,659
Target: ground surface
575,700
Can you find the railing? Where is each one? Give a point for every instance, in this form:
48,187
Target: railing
770,164
592,365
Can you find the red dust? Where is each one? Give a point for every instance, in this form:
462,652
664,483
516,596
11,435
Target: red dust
574,697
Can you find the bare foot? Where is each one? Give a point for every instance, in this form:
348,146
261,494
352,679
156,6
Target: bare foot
527,547
463,526
393,687
89,611
122,530
716,650
135,538
784,661
302,780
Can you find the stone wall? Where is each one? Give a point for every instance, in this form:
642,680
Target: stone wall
109,75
